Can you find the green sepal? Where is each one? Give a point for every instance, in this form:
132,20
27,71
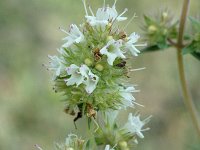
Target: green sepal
89,123
148,21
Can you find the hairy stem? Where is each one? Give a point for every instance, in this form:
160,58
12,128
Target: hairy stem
187,99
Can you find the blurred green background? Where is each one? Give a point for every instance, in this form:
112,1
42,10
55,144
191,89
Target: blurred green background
31,113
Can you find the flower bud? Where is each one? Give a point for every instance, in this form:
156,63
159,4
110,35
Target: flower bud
123,145
88,62
165,31
152,29
164,16
109,38
99,67
109,25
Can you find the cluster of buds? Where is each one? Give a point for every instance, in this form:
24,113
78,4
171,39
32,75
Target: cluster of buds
91,72
159,30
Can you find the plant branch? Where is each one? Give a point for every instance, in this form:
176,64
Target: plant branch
187,98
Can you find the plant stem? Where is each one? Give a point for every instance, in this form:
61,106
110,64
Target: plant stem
187,98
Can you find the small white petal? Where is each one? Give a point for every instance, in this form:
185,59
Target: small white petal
74,36
56,64
112,51
130,44
91,82
135,125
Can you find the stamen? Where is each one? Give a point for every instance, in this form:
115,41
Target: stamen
133,17
91,11
66,32
125,10
145,44
38,147
84,4
145,129
139,69
138,104
104,3
114,3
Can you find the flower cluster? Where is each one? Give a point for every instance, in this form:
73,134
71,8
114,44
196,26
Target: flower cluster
121,137
91,67
158,31
91,71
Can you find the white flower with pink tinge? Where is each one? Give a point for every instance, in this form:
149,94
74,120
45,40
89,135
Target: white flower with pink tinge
57,65
112,51
130,44
104,15
82,75
74,36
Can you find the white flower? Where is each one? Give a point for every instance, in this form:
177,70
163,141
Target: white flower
91,82
70,139
104,15
126,93
77,76
131,46
82,75
57,65
110,116
135,125
74,36
108,147
112,51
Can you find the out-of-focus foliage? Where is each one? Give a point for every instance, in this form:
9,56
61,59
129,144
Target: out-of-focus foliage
30,113
159,30
194,47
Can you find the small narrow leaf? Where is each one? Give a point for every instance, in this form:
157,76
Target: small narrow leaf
196,55
153,48
195,23
187,50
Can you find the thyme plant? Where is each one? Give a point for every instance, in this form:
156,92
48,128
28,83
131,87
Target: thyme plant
91,72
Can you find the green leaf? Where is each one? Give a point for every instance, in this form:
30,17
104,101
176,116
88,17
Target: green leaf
196,55
195,23
187,50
